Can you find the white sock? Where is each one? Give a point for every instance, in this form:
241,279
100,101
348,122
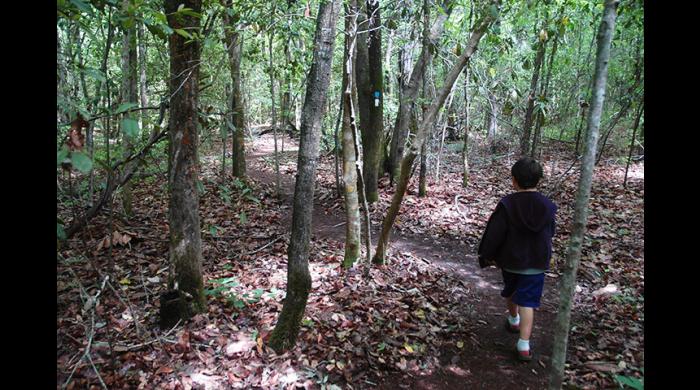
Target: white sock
514,320
523,345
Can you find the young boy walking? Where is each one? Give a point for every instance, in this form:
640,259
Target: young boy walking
518,238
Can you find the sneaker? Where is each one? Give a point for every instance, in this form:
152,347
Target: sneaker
512,328
524,356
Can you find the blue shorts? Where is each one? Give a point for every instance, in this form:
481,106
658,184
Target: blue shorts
524,290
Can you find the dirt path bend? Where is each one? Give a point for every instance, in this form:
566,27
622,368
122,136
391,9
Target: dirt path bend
488,362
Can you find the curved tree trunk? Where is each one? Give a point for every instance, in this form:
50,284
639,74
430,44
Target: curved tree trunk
573,254
298,279
185,237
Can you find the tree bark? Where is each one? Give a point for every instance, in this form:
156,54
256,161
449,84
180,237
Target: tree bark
573,255
465,147
129,92
423,129
234,47
372,134
352,208
185,238
278,183
409,91
298,278
143,81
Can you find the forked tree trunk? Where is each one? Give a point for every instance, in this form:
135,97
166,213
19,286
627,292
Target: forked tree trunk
185,238
423,130
298,278
352,208
573,254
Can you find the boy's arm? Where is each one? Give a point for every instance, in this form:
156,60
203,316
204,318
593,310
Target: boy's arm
493,237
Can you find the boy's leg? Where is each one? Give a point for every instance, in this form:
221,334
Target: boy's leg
527,317
512,307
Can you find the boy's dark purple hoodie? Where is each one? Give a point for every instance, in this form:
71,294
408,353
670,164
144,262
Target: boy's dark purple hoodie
519,232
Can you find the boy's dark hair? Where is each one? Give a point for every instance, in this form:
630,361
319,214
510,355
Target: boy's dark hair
527,172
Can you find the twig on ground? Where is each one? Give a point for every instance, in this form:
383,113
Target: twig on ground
131,310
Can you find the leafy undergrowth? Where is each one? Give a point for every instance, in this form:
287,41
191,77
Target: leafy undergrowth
607,339
356,330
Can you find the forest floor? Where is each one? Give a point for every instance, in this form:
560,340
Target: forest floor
429,319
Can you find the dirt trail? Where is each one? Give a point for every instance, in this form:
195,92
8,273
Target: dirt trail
486,363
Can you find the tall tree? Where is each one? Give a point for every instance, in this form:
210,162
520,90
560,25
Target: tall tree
234,46
490,15
298,278
573,254
352,207
373,132
185,248
129,93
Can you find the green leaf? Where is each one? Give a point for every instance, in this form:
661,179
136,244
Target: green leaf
183,33
125,107
130,127
81,161
213,230
243,217
61,155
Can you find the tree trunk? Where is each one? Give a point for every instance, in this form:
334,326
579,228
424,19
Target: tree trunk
143,85
573,255
129,92
465,147
583,106
278,185
527,125
422,176
537,138
352,208
409,91
373,132
336,151
185,238
492,126
634,133
234,47
423,129
298,278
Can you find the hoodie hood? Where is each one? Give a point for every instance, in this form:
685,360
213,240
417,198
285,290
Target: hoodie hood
529,210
